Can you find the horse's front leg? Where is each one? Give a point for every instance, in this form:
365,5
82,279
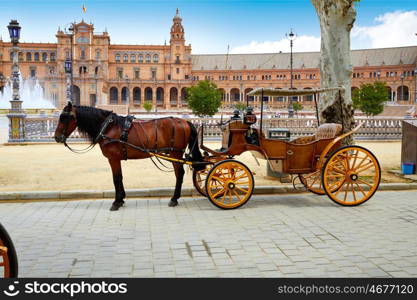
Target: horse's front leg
116,168
179,174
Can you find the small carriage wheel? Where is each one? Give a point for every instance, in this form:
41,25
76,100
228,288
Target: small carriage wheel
356,172
8,260
229,184
199,180
312,182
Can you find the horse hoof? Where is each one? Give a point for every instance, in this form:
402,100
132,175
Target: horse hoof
172,203
114,207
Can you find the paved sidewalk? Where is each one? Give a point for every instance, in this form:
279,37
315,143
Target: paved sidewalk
298,235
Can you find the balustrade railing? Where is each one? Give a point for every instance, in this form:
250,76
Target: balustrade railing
42,128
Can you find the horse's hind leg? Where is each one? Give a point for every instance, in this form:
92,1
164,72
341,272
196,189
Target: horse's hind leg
179,174
116,168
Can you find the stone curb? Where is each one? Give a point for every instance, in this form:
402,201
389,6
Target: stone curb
165,192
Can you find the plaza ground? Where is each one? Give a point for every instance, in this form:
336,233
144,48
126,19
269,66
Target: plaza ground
300,235
53,167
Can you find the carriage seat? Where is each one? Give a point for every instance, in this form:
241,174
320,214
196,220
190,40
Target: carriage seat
325,131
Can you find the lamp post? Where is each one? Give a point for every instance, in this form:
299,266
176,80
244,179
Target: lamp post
415,84
127,94
68,73
402,87
16,115
291,36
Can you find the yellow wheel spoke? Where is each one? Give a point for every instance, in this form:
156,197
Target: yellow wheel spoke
242,190
340,189
237,195
218,193
218,178
353,192
364,182
360,188
363,168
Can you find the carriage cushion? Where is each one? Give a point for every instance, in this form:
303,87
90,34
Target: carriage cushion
328,131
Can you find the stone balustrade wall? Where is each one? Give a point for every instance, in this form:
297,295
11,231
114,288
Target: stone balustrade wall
42,128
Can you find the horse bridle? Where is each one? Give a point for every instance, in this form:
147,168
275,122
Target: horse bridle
64,137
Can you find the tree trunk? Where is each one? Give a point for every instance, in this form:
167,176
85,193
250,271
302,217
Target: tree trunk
336,21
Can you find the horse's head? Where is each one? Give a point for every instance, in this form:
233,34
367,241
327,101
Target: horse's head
66,124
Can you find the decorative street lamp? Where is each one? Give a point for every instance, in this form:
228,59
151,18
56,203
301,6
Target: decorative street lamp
291,36
16,115
402,87
68,73
127,94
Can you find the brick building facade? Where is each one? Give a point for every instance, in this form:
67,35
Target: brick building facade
107,75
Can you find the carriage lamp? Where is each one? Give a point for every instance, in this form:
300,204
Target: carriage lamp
68,66
14,31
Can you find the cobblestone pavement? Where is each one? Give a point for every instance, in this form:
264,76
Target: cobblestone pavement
300,235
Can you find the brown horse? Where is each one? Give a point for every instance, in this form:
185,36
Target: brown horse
169,136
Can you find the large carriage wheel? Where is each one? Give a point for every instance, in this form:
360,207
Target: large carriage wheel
229,184
8,257
356,171
199,180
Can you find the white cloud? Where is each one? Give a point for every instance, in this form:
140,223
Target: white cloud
392,29
302,43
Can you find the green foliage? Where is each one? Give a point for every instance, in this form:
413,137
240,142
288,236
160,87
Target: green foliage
147,106
370,98
240,106
204,99
297,106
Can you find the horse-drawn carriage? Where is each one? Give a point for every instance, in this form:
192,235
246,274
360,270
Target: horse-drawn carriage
348,175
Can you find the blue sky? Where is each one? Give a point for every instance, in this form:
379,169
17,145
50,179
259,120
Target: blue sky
211,25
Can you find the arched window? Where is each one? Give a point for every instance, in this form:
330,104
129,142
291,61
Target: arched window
96,70
148,58
140,58
173,95
132,58
83,70
36,56
53,56
44,56
234,94
136,95
148,94
125,95
117,57
28,56
114,95
82,56
98,54
403,93
155,58
125,58
20,56
160,96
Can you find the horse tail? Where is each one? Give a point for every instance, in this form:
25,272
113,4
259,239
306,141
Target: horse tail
195,154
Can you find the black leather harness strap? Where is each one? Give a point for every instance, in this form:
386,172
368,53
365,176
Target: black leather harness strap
125,133
106,124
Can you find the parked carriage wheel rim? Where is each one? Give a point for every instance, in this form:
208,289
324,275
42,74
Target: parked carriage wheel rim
229,184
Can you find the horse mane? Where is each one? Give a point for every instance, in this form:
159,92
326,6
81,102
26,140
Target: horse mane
90,119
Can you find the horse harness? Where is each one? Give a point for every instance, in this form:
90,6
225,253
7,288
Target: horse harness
125,129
